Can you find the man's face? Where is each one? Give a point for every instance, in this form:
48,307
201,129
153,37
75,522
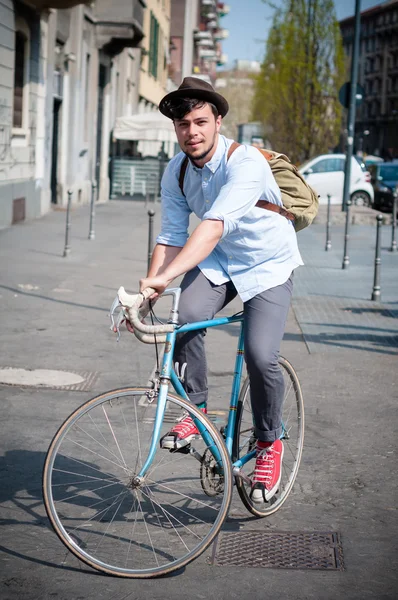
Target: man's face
197,133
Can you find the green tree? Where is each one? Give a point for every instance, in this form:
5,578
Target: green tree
296,93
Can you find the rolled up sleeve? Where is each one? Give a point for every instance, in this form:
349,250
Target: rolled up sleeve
249,178
175,210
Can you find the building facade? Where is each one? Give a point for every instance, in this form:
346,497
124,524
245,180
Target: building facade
196,39
376,123
67,71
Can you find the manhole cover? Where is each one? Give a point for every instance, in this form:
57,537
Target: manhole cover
47,378
279,550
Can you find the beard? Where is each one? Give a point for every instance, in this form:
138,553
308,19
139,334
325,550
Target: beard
204,154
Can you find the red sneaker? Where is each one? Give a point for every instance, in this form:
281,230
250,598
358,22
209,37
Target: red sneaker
181,434
268,471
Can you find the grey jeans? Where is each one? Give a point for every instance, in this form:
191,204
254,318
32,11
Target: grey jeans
264,323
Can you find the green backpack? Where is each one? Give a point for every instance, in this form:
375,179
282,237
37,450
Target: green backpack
300,201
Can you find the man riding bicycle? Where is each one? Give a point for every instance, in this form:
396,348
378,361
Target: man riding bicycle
238,248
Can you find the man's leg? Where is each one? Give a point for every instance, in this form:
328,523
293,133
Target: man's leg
200,301
265,319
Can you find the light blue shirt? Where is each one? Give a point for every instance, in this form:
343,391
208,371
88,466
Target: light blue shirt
258,249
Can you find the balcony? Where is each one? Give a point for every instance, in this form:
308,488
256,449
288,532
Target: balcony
205,43
202,35
119,24
207,53
221,34
223,9
59,4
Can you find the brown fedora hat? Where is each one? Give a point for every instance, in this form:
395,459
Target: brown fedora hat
193,87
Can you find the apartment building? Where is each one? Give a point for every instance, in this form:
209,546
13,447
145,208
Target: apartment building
196,39
69,69
376,125
66,72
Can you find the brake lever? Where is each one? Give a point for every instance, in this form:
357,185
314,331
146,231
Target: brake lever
119,319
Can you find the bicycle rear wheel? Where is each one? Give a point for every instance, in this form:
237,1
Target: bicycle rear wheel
293,439
98,510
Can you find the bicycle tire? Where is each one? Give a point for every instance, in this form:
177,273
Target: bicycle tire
73,500
244,441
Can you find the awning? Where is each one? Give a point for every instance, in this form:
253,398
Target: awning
151,127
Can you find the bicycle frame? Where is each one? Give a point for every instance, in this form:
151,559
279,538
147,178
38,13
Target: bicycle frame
168,375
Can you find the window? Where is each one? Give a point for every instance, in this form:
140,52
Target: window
19,79
20,107
389,172
87,113
328,165
153,47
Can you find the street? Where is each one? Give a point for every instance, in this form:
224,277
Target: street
54,315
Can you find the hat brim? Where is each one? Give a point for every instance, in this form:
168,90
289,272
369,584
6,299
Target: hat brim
219,101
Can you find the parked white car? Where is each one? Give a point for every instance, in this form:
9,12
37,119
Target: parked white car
325,173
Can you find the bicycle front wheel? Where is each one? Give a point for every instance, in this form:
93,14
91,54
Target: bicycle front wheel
293,439
95,505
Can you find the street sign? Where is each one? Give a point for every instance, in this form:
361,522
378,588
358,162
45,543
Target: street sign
344,94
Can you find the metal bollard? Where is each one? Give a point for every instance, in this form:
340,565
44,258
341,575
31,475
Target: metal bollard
91,232
151,214
376,293
394,220
67,246
328,241
346,259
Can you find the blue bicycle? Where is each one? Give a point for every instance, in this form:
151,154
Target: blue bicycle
125,506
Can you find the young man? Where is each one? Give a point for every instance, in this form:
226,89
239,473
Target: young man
237,248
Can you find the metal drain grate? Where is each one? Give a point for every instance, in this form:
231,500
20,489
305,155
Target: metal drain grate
279,550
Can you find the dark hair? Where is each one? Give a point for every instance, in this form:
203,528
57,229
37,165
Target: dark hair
179,107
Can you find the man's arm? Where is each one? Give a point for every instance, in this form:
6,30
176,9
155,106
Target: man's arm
162,256
201,243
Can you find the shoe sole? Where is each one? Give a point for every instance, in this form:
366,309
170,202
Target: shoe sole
258,496
173,444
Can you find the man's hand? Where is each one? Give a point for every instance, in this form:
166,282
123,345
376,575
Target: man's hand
159,283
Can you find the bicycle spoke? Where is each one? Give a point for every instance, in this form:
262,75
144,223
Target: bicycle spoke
114,436
177,520
97,505
99,455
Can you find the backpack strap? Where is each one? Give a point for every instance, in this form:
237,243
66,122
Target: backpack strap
261,203
264,203
183,170
275,208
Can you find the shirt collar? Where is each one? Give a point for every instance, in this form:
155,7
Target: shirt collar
214,163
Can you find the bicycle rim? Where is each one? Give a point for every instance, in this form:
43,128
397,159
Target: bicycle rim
99,514
293,439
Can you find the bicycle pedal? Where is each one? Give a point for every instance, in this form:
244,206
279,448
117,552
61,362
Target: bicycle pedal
183,450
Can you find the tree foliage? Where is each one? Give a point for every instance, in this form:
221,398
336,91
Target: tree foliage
296,93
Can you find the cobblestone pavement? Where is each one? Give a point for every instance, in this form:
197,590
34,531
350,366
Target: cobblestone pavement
54,315
333,306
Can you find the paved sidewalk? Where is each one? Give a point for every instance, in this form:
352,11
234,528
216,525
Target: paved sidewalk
344,346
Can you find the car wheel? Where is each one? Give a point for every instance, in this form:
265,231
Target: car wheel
360,198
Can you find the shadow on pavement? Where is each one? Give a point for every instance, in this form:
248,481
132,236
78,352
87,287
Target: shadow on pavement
22,293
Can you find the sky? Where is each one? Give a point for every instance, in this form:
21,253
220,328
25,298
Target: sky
249,21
